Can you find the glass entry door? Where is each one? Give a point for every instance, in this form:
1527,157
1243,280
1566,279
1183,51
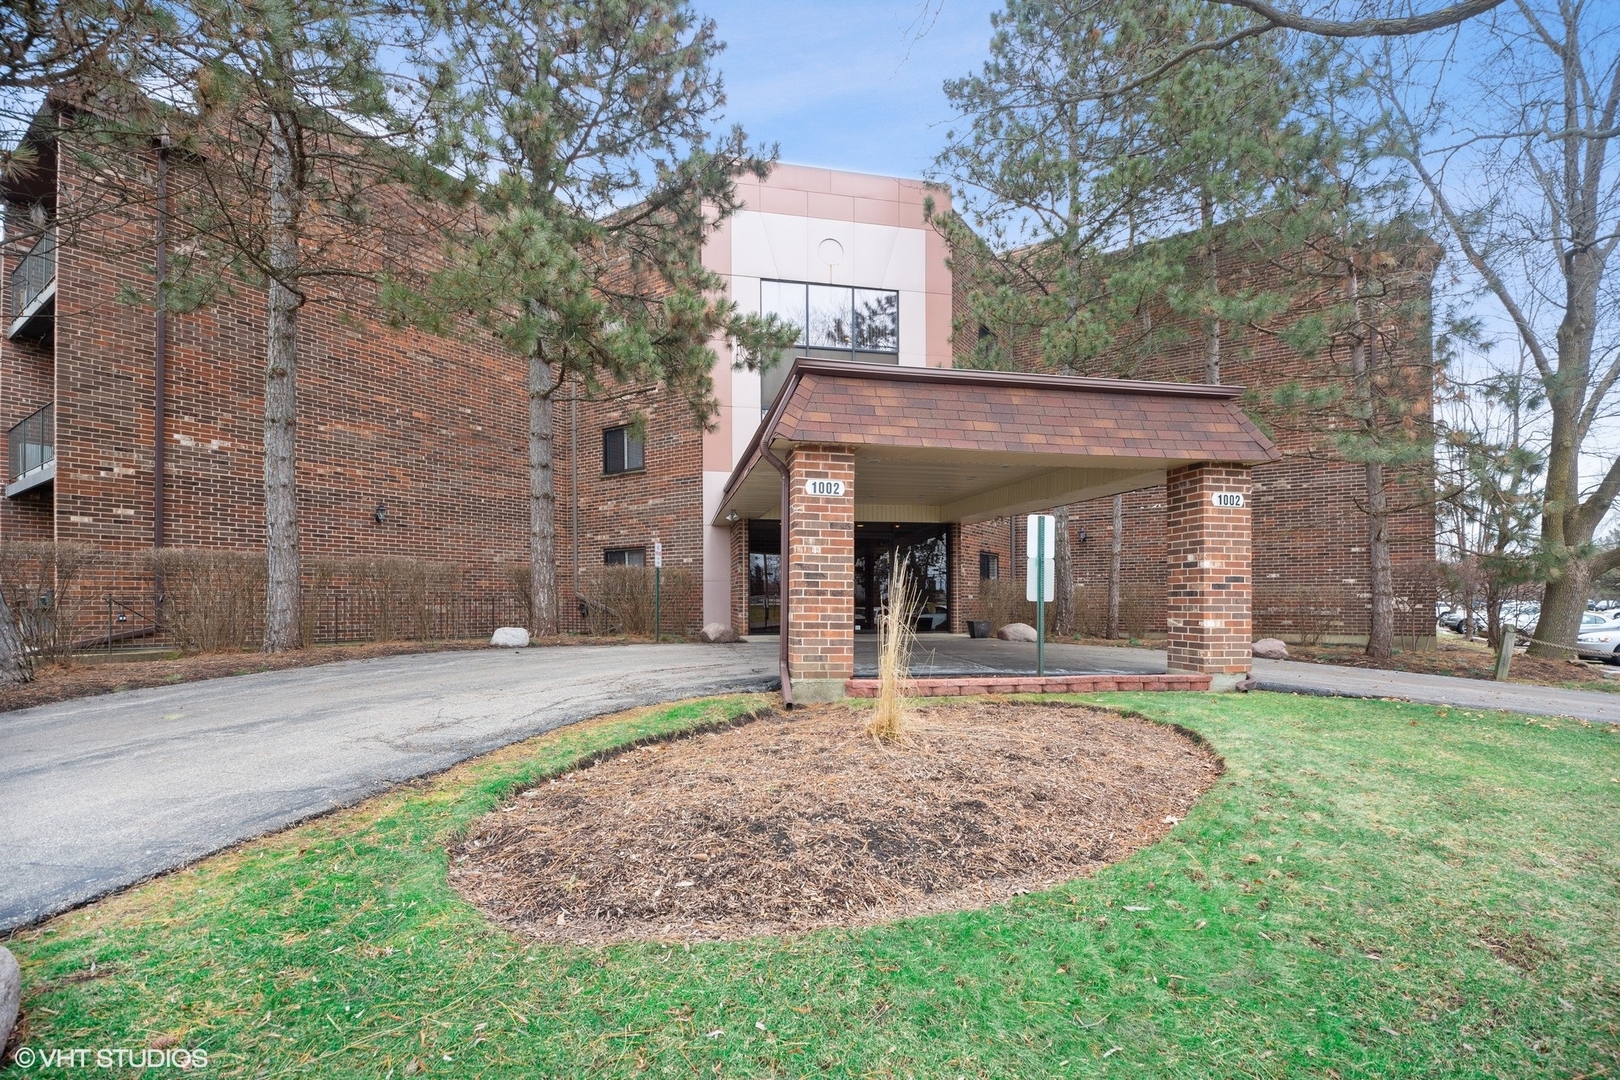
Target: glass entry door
925,548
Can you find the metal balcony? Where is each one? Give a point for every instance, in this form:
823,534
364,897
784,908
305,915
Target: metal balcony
31,452
33,291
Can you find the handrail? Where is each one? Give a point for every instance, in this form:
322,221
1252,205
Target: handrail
34,273
31,443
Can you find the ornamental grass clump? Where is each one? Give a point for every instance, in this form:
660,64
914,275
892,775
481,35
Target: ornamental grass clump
895,635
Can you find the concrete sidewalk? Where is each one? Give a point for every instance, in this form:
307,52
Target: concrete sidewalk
99,793
947,654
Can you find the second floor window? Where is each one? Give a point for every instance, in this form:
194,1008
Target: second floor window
622,451
836,317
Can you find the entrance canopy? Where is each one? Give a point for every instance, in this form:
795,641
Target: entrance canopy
954,445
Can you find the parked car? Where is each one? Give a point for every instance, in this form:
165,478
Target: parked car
1599,644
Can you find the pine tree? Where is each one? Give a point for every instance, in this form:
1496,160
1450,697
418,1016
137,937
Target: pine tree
589,126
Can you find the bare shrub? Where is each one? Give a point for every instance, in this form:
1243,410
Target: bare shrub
619,599
41,581
1141,609
896,631
395,597
520,589
213,600
1002,602
317,579
1091,610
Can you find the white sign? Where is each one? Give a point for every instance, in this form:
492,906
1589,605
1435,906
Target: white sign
1048,578
1042,536
1041,548
1226,498
824,487
658,554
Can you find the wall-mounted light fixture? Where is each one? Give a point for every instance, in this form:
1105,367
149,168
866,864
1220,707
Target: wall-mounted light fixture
1082,534
381,513
732,516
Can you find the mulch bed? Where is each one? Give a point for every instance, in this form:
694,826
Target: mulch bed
788,824
86,677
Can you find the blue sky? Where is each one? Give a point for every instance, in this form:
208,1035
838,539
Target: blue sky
845,84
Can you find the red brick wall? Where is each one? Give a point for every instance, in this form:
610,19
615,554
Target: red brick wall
1209,588
661,502
821,566
431,427
1311,562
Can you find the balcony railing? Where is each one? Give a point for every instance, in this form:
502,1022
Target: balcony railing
33,276
31,452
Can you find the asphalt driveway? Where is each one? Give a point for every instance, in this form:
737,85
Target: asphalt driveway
99,793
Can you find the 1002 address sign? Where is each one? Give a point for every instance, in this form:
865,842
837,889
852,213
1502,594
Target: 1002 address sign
824,487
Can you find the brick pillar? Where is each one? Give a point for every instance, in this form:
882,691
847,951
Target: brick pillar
961,588
820,573
1210,587
739,577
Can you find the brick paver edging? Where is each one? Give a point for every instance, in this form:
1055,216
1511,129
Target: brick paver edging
1031,684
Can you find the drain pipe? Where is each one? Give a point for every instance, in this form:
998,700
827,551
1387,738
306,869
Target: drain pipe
782,649
160,362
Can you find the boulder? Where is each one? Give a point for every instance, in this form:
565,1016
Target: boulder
510,637
718,633
10,993
1017,631
1269,648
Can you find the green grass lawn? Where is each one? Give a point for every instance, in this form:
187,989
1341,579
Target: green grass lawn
1372,889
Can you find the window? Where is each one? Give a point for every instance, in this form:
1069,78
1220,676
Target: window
835,322
622,451
836,317
989,566
636,556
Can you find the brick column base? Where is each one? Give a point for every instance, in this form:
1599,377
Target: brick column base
739,578
819,572
1210,589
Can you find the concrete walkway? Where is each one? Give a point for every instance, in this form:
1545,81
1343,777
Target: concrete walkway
944,654
102,792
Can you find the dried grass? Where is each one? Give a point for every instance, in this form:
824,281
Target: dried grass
783,826
895,639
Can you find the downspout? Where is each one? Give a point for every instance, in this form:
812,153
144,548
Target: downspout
782,634
160,357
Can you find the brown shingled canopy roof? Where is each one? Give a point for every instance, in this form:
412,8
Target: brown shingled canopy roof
944,444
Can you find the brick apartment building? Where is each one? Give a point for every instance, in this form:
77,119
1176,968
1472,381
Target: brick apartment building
414,445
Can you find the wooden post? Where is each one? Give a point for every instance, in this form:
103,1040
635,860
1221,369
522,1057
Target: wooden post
1504,655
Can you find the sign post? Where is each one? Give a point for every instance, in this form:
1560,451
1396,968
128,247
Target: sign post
658,591
1042,578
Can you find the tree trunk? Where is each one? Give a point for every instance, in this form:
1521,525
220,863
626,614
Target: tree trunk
1115,565
542,501
1380,566
1381,630
282,625
1212,281
1063,607
15,664
1562,604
